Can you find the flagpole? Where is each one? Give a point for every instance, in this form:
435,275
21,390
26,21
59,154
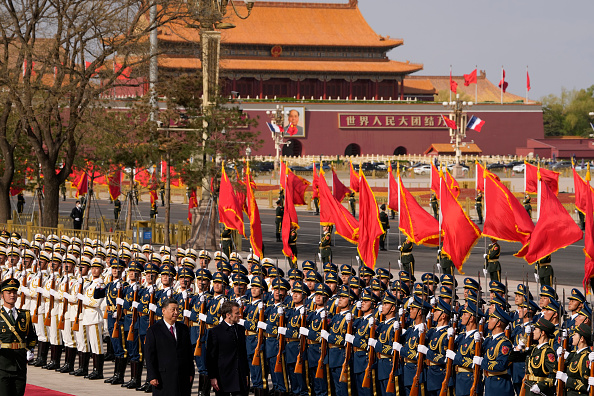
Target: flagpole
439,213
502,83
450,83
399,181
476,86
526,83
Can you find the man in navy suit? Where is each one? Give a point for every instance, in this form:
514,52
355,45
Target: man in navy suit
169,354
226,354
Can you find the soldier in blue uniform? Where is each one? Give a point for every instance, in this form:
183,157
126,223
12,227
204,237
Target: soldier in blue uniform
418,309
437,344
465,348
272,316
361,332
250,322
315,318
168,274
384,343
495,360
134,289
110,292
151,271
575,305
384,276
337,337
366,274
198,303
519,336
299,381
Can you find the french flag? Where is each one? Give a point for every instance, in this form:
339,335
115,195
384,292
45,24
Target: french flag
475,123
274,128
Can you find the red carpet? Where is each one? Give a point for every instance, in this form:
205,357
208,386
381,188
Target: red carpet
33,390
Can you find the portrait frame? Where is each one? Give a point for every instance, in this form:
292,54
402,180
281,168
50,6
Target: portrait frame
289,112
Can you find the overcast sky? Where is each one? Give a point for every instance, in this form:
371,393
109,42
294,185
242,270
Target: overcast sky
555,39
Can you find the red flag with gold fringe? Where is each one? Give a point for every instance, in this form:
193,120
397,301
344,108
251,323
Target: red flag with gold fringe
589,241
370,227
582,189
230,211
289,219
334,213
354,178
414,221
392,190
254,216
339,190
551,178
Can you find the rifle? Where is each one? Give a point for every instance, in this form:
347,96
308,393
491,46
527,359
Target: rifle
201,324
116,326
256,359
344,377
35,315
64,303
508,328
529,338
302,343
75,325
48,314
278,366
564,338
134,315
370,355
323,348
391,387
449,364
187,307
152,301
414,391
476,370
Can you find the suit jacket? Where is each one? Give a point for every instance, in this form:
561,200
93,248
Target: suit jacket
226,357
168,361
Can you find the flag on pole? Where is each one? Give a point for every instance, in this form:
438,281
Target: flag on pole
479,180
502,83
370,227
354,178
339,190
81,182
289,220
589,242
254,216
298,187
192,204
527,80
274,127
314,184
115,184
554,230
470,78
450,123
452,184
453,84
435,176
392,189
414,221
283,175
551,178
475,123
230,211
582,190
334,213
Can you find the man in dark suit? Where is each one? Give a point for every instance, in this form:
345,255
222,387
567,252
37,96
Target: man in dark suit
169,354
226,354
77,216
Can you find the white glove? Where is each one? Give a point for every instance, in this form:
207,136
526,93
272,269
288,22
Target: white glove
99,282
535,389
477,336
421,328
242,322
118,285
536,278
77,219
410,300
561,376
150,289
304,331
79,281
399,247
39,290
349,338
153,307
485,255
262,325
135,304
358,304
29,355
485,272
396,325
325,334
477,361
450,332
81,297
280,310
66,296
560,351
282,330
590,381
564,333
400,311
397,346
114,315
591,357
438,251
528,329
521,346
399,265
372,342
202,317
135,287
260,305
450,354
433,301
301,310
184,294
187,313
422,349
322,314
371,320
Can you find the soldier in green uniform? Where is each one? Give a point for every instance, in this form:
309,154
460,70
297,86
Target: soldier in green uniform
445,263
479,206
527,205
541,362
226,241
17,335
492,265
117,208
434,206
293,240
162,193
386,226
352,201
544,270
278,221
578,364
406,257
63,191
325,243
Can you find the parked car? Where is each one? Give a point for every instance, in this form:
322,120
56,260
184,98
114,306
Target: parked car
381,166
297,168
510,165
422,170
520,168
496,166
464,168
561,165
326,166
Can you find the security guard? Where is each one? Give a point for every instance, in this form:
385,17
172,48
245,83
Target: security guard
541,361
278,221
434,206
445,263
316,200
325,243
479,206
406,257
17,335
226,241
492,265
383,217
544,270
578,363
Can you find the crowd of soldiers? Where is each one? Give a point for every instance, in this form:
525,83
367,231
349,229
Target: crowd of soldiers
337,329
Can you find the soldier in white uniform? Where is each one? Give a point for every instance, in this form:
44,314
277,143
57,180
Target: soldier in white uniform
82,337
92,317
37,307
52,311
67,293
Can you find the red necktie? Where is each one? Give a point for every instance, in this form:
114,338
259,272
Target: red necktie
171,330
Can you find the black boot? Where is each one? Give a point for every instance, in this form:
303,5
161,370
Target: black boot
55,363
135,380
52,357
121,371
69,353
42,357
137,376
201,385
33,361
115,371
97,367
84,370
94,365
109,356
80,364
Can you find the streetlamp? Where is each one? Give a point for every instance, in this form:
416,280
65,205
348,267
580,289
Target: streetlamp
459,116
278,117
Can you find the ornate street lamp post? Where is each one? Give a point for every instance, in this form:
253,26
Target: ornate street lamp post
459,116
278,117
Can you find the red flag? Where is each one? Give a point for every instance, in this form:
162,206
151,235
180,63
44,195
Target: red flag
503,84
470,78
289,220
551,178
452,184
192,204
81,183
582,190
479,177
414,221
453,84
298,187
314,184
392,190
370,227
333,212
435,176
450,123
125,72
527,81
230,212
254,216
241,196
589,240
115,184
460,233
339,190
153,196
283,174
15,191
554,230
505,217
354,179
